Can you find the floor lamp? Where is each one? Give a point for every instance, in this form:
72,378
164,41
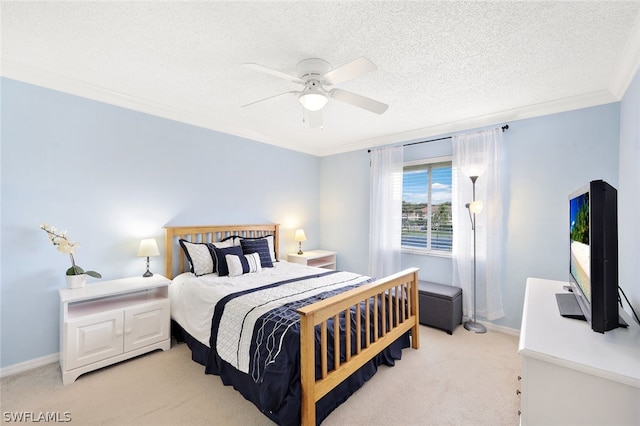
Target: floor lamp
474,207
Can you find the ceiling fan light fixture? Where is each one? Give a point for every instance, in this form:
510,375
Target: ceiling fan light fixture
313,100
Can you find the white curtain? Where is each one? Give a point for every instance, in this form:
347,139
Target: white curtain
478,154
385,207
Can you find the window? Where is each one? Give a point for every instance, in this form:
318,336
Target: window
426,207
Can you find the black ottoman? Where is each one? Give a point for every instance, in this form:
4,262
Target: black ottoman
440,305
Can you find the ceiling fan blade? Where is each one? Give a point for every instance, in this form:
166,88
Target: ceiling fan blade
348,71
315,119
359,101
270,97
271,71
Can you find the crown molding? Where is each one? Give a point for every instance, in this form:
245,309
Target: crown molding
79,88
629,63
544,108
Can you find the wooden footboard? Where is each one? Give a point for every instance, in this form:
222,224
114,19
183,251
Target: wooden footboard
397,296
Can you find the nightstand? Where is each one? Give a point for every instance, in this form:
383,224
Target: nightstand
317,258
111,321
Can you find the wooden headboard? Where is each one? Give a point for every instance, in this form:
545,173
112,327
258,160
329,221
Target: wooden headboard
175,260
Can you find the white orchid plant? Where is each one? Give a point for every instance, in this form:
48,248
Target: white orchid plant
64,245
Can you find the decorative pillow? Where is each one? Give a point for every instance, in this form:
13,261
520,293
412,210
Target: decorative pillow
219,244
239,265
253,260
232,240
226,242
221,261
269,239
260,246
200,257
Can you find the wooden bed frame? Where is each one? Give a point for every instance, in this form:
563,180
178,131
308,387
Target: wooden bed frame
397,296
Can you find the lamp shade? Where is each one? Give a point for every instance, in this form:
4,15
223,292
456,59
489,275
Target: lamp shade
474,169
148,247
476,207
313,100
299,236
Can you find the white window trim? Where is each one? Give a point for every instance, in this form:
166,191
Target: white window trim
430,160
425,252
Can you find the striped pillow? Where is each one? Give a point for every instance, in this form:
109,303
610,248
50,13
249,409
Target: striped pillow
220,255
253,260
268,238
260,246
239,265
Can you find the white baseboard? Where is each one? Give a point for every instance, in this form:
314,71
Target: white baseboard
495,327
29,365
48,359
501,328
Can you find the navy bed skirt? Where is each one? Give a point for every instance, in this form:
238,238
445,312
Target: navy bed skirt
288,412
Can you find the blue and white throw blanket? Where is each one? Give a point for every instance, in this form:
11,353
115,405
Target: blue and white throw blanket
250,328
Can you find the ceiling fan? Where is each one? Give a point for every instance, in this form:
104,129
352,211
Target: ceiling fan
315,74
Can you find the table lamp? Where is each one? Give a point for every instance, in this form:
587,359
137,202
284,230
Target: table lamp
300,237
148,247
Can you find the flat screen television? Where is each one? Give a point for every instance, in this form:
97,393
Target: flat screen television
593,256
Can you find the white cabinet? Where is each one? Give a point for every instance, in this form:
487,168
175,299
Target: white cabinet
111,321
93,338
317,258
572,375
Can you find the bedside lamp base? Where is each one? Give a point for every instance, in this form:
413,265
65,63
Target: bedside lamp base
148,273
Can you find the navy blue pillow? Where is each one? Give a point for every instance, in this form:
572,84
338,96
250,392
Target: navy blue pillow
221,262
260,246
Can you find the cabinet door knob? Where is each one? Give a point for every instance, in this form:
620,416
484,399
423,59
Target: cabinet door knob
519,377
118,333
128,331
518,392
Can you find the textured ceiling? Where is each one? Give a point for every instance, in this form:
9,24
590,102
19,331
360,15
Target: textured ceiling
442,66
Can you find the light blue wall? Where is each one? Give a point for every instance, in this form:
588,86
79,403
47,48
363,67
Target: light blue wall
546,159
629,194
344,207
112,176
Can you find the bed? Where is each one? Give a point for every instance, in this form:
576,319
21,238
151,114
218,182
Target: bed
295,340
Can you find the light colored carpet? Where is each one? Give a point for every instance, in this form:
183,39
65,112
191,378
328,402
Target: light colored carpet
463,379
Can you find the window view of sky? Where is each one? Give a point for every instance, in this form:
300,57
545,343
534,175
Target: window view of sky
414,186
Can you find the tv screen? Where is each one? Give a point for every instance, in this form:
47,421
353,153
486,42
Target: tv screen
580,262
593,264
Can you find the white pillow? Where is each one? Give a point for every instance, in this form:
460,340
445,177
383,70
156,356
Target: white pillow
199,256
254,262
225,244
235,264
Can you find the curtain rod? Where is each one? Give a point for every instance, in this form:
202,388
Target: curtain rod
504,129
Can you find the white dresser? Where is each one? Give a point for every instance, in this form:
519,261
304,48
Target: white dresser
110,321
572,375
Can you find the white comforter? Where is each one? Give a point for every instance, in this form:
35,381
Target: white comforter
193,299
